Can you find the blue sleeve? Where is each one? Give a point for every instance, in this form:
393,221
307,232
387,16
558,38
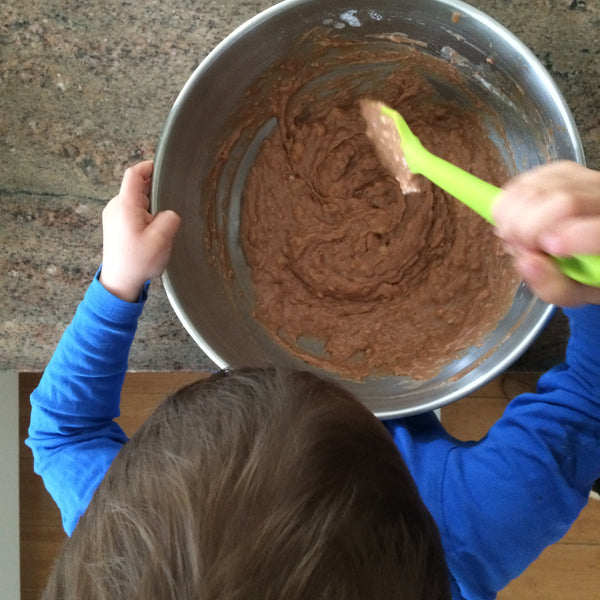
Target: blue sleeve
520,489
72,432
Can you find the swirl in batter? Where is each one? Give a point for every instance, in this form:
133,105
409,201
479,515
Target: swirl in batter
351,274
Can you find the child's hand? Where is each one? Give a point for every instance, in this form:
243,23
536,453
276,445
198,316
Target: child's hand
137,245
553,209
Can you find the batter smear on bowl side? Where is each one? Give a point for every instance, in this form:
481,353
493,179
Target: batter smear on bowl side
349,273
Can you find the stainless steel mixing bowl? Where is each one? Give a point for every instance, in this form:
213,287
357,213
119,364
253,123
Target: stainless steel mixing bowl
216,306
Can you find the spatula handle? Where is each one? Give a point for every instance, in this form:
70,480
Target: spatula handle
477,194
480,195
584,268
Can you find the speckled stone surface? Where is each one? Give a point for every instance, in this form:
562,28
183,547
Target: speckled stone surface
85,88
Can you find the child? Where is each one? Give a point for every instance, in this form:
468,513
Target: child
276,484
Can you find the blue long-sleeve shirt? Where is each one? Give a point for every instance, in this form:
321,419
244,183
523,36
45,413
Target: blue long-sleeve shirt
72,431
497,502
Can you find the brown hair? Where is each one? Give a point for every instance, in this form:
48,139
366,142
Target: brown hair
261,484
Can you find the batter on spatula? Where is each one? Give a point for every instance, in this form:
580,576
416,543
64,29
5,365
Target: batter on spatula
388,146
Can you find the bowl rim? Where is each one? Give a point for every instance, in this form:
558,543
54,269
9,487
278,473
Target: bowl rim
456,5
546,311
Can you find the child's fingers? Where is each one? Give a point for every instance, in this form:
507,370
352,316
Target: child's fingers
165,226
524,213
158,241
547,282
544,279
556,174
564,187
137,182
551,210
580,235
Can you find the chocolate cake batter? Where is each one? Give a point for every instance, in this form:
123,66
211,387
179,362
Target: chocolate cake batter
350,273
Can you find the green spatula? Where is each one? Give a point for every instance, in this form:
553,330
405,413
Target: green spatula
475,193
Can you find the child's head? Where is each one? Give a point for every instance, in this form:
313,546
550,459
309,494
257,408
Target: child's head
256,484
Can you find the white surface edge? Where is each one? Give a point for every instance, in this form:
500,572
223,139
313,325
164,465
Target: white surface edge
10,584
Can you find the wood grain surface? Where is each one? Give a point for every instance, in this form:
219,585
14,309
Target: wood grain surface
566,571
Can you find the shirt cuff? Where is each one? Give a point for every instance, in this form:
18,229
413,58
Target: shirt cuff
111,307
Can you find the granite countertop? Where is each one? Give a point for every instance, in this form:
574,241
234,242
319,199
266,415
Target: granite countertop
85,91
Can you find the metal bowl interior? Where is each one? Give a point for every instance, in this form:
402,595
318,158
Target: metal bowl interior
216,307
